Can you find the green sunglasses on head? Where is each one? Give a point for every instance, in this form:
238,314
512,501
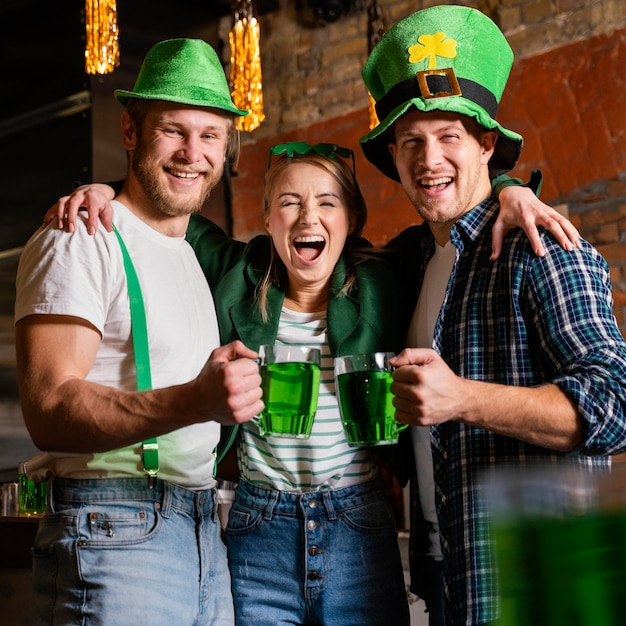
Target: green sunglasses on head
329,150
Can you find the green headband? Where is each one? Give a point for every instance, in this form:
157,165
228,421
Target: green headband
293,148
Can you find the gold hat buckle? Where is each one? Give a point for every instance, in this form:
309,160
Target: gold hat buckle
425,90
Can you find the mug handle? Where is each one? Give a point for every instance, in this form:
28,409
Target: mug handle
257,418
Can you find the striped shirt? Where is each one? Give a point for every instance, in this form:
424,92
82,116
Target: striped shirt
325,460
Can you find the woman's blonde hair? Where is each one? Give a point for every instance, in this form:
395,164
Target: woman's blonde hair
276,273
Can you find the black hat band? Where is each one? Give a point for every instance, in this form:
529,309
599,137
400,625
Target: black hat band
431,84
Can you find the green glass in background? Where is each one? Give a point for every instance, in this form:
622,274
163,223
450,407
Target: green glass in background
31,495
363,386
290,380
561,562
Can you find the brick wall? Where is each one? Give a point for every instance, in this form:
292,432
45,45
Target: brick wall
567,104
563,96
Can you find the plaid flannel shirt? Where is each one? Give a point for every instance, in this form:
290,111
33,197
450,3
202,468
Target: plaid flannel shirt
522,320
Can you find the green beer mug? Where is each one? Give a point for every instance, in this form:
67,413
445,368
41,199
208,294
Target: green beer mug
290,381
32,495
363,385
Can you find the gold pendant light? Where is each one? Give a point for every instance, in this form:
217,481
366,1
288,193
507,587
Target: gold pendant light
102,52
245,66
376,29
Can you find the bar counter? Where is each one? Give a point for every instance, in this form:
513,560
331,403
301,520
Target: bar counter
17,536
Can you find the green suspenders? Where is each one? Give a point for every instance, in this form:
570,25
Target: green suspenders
150,447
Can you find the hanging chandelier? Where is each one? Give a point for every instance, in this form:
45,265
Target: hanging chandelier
245,66
376,29
102,52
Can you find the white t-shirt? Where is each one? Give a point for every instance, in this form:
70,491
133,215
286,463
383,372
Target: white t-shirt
420,335
84,277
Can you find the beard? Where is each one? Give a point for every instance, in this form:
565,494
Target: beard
166,202
430,209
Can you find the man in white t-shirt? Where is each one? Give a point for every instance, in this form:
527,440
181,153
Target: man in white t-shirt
128,427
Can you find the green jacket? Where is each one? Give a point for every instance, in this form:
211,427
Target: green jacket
368,319
373,317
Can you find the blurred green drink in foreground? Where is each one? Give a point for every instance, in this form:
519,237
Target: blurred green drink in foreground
560,540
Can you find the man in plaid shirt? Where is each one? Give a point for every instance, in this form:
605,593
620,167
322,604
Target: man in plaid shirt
516,361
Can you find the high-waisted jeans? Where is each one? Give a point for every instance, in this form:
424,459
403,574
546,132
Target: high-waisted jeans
326,558
113,551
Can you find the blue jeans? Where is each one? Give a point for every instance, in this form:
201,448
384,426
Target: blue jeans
326,558
113,551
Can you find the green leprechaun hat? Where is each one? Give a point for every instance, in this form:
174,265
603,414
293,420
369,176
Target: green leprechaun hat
446,58
185,71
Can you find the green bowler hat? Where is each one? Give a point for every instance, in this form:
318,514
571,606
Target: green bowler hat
446,58
186,71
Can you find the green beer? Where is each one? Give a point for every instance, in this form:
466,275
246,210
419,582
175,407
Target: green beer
290,391
559,572
560,546
366,405
31,496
